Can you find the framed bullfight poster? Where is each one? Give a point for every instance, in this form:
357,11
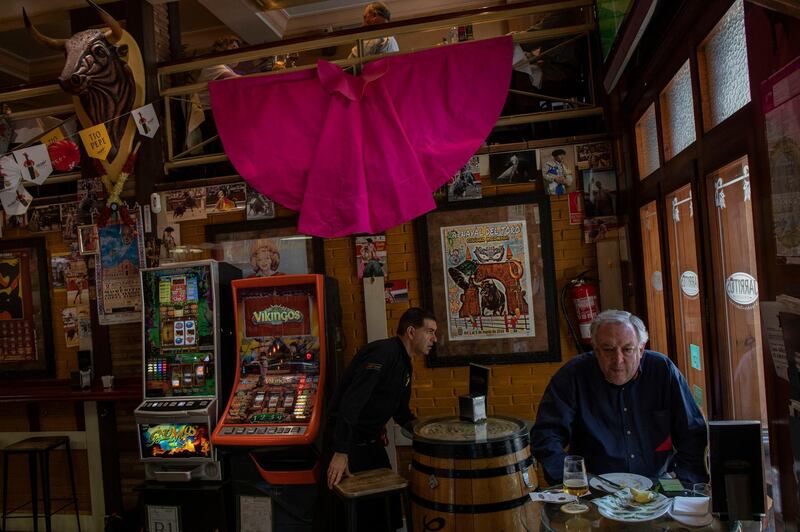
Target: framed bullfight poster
491,281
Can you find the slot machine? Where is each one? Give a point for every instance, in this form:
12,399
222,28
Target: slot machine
285,330
187,332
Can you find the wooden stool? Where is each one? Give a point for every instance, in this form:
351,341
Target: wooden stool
371,485
39,448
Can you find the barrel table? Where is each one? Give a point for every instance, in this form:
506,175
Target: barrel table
471,477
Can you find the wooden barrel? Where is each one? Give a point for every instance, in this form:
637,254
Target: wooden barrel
468,477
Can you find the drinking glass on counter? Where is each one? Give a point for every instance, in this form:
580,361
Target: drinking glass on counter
575,479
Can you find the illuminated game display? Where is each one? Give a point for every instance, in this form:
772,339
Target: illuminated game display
180,440
281,358
187,306
179,339
280,324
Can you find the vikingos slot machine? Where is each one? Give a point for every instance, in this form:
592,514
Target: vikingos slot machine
187,332
285,329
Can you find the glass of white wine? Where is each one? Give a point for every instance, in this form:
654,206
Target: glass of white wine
575,480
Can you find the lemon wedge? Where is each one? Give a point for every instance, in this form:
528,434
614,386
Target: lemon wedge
642,496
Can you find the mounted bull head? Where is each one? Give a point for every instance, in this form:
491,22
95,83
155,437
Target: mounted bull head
97,76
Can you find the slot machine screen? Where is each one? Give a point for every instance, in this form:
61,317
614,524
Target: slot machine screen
174,440
279,356
179,332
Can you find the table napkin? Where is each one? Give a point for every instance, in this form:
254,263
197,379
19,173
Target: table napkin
690,505
552,496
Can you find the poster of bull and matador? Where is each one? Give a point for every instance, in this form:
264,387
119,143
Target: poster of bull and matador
492,281
487,281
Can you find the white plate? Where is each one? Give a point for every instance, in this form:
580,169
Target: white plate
626,480
620,507
692,520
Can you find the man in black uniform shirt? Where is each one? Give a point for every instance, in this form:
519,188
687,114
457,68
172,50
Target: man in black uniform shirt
375,387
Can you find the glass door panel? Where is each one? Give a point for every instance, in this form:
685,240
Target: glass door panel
686,294
736,291
654,286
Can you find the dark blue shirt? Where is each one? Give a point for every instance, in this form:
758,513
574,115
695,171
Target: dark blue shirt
648,426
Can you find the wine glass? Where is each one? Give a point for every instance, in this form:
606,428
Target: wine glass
575,479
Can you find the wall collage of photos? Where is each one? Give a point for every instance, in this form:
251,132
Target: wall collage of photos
584,172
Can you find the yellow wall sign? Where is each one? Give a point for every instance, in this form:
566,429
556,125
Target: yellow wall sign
96,141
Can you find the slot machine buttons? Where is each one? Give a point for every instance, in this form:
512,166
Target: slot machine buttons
261,430
227,430
270,430
240,430
251,430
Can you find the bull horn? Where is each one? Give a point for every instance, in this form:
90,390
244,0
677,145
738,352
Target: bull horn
56,44
114,33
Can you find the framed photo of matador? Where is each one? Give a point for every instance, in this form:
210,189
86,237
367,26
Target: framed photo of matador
26,340
491,281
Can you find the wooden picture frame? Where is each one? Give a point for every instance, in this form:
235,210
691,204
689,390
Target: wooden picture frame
237,242
26,337
490,281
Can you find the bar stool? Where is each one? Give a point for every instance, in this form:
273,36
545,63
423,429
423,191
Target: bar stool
373,484
39,448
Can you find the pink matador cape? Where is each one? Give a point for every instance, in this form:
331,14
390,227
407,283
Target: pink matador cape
361,154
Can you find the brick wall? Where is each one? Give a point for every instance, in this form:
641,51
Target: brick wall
515,389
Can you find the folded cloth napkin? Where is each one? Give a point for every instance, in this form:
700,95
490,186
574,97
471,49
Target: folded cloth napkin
690,505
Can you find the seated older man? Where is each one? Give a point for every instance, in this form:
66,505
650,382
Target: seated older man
621,407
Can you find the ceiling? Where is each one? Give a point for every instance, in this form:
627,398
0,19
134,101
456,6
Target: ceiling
23,60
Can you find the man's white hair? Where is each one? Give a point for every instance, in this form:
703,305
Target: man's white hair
620,316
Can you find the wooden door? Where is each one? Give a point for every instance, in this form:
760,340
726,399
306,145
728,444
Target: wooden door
686,292
654,284
736,292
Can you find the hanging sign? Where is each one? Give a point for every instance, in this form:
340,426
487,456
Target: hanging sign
52,136
96,141
742,289
689,284
34,163
146,120
10,172
15,200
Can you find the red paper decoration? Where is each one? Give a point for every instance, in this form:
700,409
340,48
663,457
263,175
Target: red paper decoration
64,154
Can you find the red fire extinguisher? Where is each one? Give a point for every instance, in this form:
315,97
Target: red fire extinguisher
587,305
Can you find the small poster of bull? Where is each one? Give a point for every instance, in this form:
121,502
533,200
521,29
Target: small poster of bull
466,183
487,281
259,207
184,205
